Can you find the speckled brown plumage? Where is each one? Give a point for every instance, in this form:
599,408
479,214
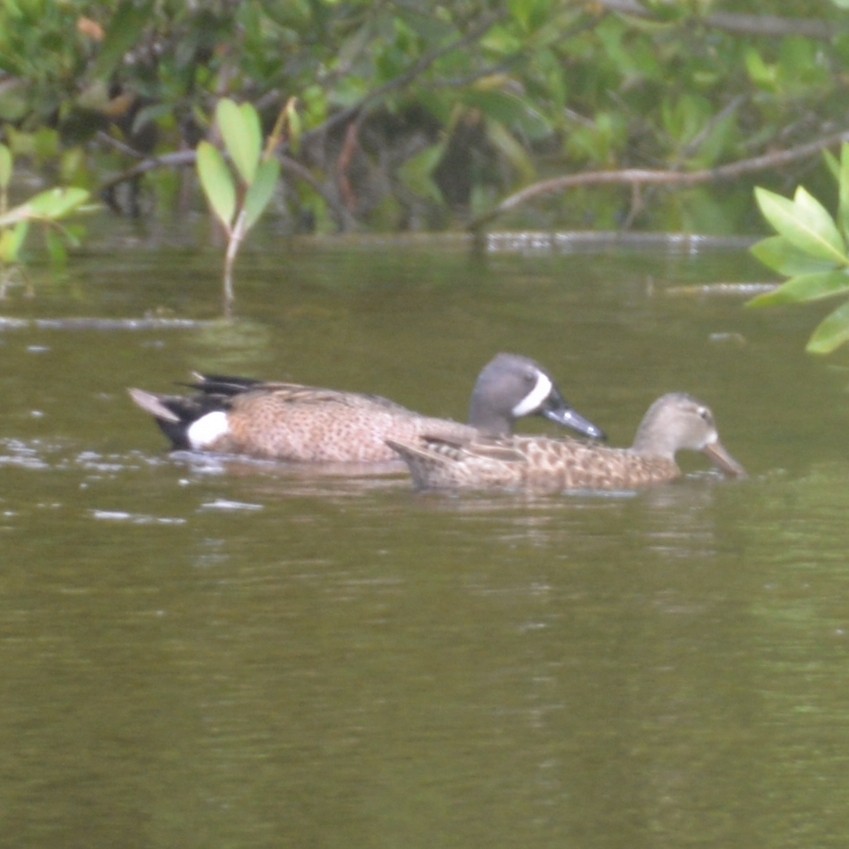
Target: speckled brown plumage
321,425
288,421
674,422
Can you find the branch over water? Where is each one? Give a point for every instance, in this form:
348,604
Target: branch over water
634,177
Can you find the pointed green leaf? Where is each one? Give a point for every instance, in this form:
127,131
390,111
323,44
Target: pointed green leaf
520,12
777,253
843,190
831,163
510,110
56,249
417,172
43,204
5,166
242,134
73,234
261,191
819,219
511,149
11,242
530,14
760,73
805,287
217,183
831,333
55,203
805,223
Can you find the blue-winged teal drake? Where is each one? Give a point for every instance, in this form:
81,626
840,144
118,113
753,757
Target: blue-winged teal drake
287,421
673,423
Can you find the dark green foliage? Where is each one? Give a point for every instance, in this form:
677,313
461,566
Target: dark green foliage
418,114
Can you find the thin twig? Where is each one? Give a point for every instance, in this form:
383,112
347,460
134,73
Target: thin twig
178,159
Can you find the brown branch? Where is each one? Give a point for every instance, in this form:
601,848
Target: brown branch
343,166
644,177
770,26
168,160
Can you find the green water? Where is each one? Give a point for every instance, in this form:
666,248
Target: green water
208,654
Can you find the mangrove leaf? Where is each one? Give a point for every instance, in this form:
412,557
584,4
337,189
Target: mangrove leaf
831,333
805,223
805,287
261,191
242,136
217,182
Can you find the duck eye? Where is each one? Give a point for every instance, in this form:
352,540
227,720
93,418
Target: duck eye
704,414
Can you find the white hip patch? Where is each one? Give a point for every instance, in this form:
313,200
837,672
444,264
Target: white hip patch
204,432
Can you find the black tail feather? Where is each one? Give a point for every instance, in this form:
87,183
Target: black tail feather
175,413
222,384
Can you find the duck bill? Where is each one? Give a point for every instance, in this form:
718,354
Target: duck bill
567,417
723,460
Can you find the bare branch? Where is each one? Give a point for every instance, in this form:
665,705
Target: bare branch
644,177
770,26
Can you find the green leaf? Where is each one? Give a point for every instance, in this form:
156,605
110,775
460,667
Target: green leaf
805,223
510,110
261,191
124,32
760,73
819,218
777,253
417,172
242,136
55,203
831,333
217,182
805,287
5,166
56,249
511,149
11,242
843,190
530,14
831,163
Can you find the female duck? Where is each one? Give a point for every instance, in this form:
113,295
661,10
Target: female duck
673,423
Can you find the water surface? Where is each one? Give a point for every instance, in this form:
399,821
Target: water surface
206,653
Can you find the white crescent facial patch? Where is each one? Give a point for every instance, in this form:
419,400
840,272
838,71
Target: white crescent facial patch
533,400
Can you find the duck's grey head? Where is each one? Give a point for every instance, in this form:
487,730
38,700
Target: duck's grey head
677,422
511,386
